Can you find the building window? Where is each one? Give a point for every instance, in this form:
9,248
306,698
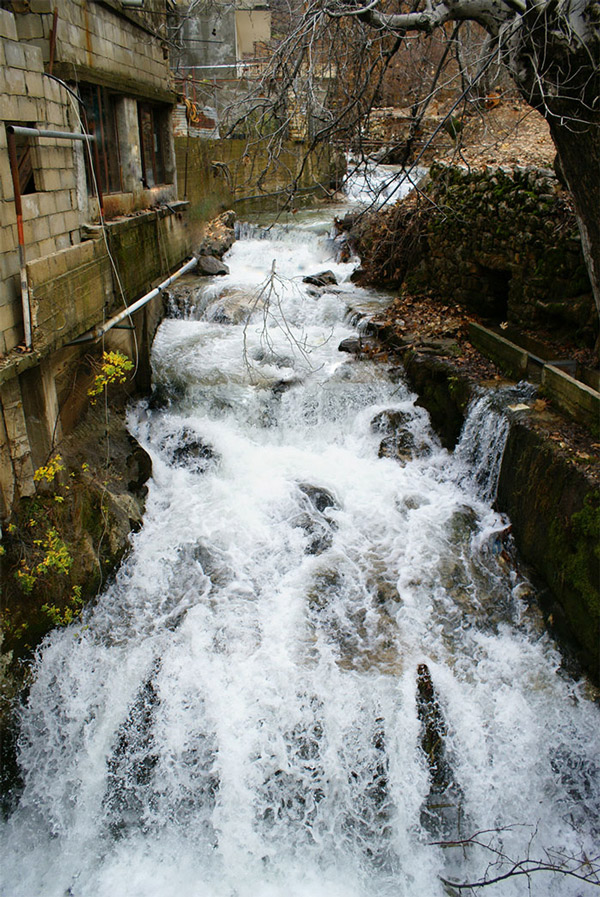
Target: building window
100,107
153,129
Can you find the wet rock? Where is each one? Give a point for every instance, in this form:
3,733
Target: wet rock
398,441
387,593
462,524
219,236
165,394
233,306
319,536
353,345
388,422
190,452
323,279
139,469
441,811
319,497
283,385
210,264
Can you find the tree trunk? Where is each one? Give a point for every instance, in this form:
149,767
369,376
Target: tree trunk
578,147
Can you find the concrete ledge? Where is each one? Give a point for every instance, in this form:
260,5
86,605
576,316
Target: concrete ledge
510,357
579,401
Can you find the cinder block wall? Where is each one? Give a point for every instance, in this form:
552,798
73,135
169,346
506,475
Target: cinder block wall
50,215
105,43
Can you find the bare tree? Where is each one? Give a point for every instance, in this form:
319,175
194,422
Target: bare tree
329,66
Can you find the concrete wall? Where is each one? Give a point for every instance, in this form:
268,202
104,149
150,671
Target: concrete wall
214,175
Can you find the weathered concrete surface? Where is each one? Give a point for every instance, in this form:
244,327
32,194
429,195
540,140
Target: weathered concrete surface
573,397
555,512
509,357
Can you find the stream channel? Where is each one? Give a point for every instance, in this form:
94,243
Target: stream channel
320,658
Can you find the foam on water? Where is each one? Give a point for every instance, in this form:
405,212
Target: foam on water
238,714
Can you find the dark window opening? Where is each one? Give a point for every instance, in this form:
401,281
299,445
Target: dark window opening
100,107
495,285
24,148
152,121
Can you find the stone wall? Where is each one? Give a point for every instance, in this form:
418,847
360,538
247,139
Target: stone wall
502,242
505,243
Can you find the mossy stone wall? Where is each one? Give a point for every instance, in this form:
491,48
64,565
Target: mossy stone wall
505,243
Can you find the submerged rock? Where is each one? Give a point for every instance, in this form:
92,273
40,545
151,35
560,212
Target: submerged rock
189,451
398,441
320,498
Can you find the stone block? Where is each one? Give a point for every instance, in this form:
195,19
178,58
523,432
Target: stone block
40,6
30,26
63,241
57,224
26,109
62,197
8,26
13,337
47,205
8,316
37,231
8,238
15,55
53,91
12,82
47,246
71,220
9,265
34,82
6,184
30,206
55,115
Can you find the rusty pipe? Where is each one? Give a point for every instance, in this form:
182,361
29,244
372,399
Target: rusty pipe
14,170
53,32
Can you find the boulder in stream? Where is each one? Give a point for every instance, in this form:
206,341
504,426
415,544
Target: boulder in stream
322,279
186,449
219,235
211,265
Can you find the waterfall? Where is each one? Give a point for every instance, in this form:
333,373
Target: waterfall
482,442
311,668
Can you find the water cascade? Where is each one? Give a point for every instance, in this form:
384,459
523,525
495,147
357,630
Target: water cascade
321,658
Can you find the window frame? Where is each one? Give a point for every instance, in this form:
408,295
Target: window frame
101,111
153,155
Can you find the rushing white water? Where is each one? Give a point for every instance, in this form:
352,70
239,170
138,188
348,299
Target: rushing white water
238,714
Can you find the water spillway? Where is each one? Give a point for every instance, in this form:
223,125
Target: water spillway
320,659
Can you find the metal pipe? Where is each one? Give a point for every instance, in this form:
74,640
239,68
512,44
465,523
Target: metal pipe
99,331
14,170
39,132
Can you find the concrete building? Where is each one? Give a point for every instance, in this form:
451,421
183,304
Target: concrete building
217,47
101,67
